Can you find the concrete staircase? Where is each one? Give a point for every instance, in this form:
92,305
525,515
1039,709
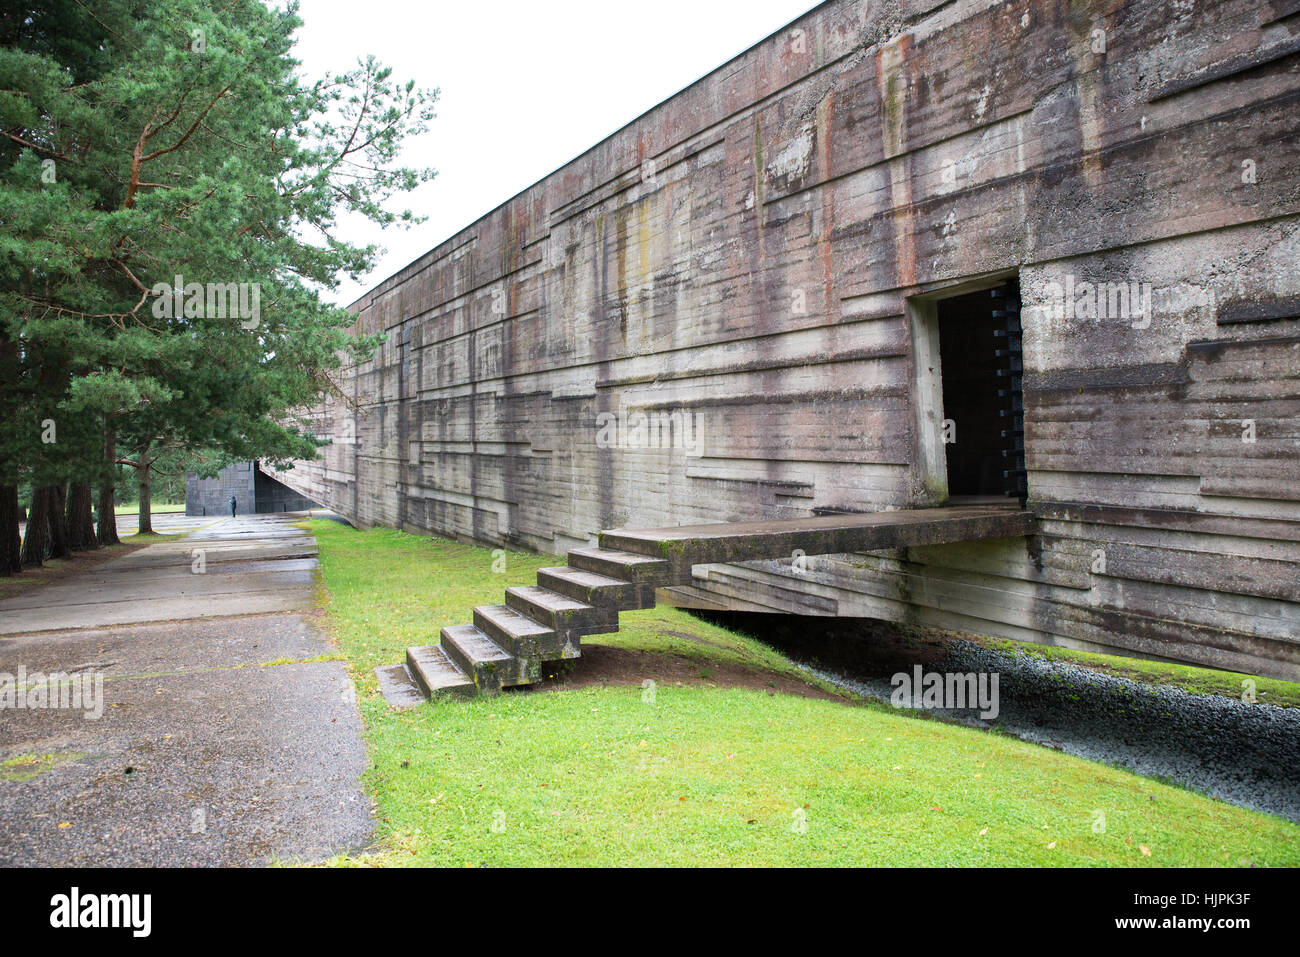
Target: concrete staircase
508,645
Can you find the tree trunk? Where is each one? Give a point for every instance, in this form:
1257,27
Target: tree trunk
81,524
11,513
58,523
37,540
107,516
11,562
143,474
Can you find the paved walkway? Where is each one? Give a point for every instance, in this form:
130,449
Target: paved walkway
221,740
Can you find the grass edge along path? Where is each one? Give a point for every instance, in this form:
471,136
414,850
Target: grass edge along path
165,508
703,775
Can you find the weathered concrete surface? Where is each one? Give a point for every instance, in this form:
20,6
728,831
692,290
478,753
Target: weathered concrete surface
757,255
251,566
827,535
509,645
205,754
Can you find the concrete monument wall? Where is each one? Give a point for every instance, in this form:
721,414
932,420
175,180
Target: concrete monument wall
757,262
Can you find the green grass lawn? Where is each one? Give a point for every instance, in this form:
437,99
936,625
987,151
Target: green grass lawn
698,774
154,509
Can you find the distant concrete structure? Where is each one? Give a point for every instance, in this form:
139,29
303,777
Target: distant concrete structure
255,491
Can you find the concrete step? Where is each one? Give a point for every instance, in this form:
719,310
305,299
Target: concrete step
629,566
594,589
436,673
570,619
521,635
491,666
399,687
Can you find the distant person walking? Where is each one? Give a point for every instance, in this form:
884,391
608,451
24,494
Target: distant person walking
233,505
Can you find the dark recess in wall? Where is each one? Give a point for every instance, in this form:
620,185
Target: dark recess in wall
970,394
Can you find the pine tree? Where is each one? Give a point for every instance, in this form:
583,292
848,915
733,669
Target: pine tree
171,190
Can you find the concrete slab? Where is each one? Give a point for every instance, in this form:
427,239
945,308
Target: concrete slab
689,545
226,767
245,566
166,648
221,738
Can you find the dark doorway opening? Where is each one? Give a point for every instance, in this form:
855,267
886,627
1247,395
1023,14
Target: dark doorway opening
272,495
980,358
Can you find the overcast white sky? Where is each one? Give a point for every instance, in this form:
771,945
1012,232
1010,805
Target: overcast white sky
526,86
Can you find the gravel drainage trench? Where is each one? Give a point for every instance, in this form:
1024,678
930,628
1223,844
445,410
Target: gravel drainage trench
1244,754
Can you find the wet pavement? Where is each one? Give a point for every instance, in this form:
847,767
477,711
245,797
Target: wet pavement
241,566
221,738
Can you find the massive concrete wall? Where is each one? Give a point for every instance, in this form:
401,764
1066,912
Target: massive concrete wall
254,490
212,496
760,253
